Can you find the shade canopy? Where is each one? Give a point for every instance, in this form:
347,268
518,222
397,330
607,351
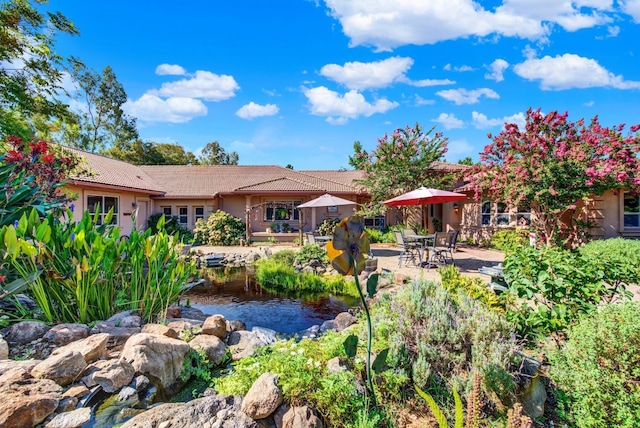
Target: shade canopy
424,196
326,200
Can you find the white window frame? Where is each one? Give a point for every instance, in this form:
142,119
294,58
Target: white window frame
183,218
486,213
502,214
633,215
103,208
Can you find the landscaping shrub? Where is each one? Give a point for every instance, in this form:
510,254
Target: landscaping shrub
310,252
171,226
509,240
327,226
83,271
597,370
285,256
474,287
220,228
381,236
439,339
618,258
554,287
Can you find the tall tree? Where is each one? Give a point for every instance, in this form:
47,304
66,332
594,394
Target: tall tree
101,123
214,154
399,162
150,153
552,164
359,157
30,69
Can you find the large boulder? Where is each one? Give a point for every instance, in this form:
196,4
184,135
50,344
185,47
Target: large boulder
215,325
301,417
61,368
211,411
92,348
4,349
24,332
243,344
73,419
213,347
263,398
160,329
160,358
26,365
341,321
26,401
111,375
62,334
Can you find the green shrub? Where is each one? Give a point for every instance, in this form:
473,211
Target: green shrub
597,371
555,286
381,236
220,228
171,226
618,258
303,377
439,339
474,287
327,226
509,240
284,256
311,252
273,273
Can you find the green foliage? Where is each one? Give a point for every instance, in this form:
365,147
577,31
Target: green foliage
554,287
196,365
76,270
437,412
597,370
617,258
474,287
221,228
285,256
303,377
214,154
439,339
509,240
399,162
280,276
149,153
381,236
171,227
311,252
327,226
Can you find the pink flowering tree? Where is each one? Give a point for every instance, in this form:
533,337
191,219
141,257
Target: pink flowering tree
399,162
552,164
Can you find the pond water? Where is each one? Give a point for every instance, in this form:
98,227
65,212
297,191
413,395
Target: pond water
234,293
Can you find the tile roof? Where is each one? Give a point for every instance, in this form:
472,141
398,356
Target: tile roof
111,172
208,180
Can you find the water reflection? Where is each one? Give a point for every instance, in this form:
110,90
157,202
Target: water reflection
234,293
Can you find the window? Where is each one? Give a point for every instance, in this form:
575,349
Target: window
281,211
103,204
183,218
631,210
374,222
502,214
198,214
485,219
166,211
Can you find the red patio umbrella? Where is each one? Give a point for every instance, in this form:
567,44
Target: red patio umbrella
424,196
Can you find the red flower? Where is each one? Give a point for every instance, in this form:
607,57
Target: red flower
3,278
14,156
48,158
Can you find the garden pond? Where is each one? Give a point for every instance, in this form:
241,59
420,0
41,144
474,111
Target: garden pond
235,294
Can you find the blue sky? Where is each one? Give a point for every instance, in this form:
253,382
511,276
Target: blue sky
297,82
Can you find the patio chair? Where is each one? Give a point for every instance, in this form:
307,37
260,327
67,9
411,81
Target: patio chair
409,251
444,244
310,237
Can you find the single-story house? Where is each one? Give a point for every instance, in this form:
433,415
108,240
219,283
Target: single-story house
263,194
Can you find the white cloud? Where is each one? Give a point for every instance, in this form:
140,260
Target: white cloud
449,121
481,121
204,84
570,71
368,75
170,69
463,96
339,108
632,7
430,82
387,25
251,110
496,70
422,101
151,108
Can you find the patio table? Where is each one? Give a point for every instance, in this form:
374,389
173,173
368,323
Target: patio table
424,241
